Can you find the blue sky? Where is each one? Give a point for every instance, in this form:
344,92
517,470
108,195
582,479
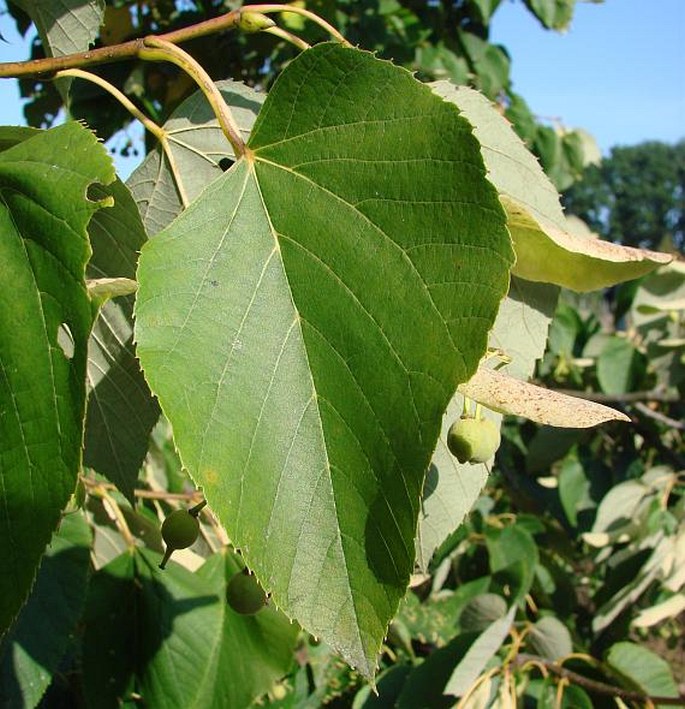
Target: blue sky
619,72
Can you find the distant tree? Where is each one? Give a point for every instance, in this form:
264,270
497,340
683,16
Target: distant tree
636,196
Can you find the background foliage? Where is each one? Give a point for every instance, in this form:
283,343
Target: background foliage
574,552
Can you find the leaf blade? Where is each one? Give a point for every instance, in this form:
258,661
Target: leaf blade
44,214
340,396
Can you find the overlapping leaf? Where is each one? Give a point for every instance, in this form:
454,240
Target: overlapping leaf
121,411
199,150
304,324
452,488
46,317
176,637
65,26
547,247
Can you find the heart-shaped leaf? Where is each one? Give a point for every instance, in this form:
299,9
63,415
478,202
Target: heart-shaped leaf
305,322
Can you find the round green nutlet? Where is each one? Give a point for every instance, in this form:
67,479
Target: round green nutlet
244,593
179,530
473,440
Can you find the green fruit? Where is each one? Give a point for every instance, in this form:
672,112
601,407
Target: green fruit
244,594
473,440
179,531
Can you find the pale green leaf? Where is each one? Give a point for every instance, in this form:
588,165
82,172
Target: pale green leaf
670,608
550,638
451,488
522,325
121,410
65,26
103,289
657,325
657,565
643,669
199,150
34,647
479,654
507,395
547,250
44,245
621,506
305,322
620,366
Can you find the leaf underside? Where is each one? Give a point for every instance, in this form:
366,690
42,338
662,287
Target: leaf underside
305,322
548,249
121,411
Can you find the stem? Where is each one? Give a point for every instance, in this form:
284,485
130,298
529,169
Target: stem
195,511
267,9
658,416
149,124
288,37
114,508
146,494
595,686
157,49
117,52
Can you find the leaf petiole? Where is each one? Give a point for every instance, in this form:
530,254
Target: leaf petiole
156,49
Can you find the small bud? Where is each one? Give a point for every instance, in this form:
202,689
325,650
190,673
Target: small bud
251,22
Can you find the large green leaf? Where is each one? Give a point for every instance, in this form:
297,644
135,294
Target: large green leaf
305,322
121,411
33,648
199,150
46,315
548,249
163,628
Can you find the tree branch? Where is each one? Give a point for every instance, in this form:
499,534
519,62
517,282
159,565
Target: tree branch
126,50
595,686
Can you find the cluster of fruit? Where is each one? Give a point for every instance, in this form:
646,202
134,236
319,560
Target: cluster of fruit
180,529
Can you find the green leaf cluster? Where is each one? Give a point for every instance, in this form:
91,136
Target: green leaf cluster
311,311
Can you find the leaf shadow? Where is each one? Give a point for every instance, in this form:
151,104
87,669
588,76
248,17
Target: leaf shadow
387,555
26,640
129,617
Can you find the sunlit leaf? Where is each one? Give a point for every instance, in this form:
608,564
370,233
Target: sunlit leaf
305,322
